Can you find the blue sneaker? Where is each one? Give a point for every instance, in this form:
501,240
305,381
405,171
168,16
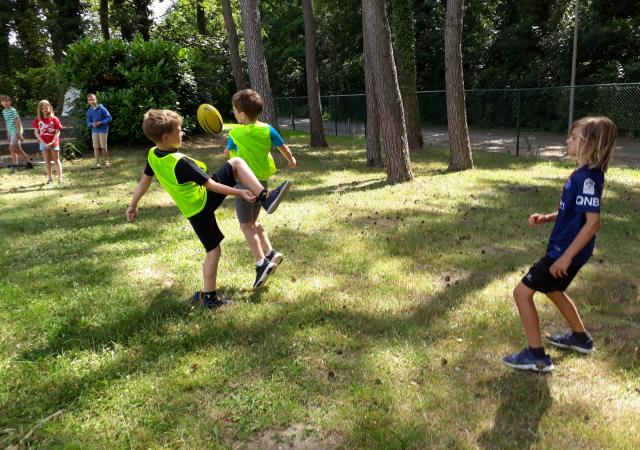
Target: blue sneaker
270,204
526,360
568,340
216,302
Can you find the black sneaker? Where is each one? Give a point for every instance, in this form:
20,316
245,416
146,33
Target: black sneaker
275,257
215,302
29,165
270,204
263,272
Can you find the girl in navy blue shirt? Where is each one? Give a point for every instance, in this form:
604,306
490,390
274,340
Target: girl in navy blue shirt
570,245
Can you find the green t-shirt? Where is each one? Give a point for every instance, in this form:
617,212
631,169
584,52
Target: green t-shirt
10,115
253,143
190,197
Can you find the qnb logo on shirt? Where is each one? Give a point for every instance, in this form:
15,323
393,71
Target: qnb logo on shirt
587,201
589,187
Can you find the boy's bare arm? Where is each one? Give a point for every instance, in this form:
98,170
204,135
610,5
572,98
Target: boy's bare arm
286,152
19,128
141,189
559,268
227,190
537,219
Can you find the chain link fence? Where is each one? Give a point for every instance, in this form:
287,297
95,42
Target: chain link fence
531,109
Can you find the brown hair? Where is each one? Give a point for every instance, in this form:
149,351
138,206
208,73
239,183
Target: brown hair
41,104
92,93
157,122
597,136
5,98
249,102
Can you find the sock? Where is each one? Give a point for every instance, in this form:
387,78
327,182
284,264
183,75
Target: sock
208,296
260,262
270,253
581,336
262,196
538,352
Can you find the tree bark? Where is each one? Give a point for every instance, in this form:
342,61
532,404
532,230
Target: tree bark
313,83
232,40
404,50
123,20
258,71
460,148
104,19
387,92
201,20
142,23
372,127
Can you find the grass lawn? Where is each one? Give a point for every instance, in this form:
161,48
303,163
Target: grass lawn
384,327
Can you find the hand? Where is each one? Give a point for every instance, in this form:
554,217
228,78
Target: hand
98,123
559,268
95,124
293,163
226,153
247,196
48,146
131,213
21,138
537,219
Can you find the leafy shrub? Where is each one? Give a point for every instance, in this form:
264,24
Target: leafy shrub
74,150
130,78
29,86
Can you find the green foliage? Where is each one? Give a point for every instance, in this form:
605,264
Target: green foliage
38,83
74,149
130,78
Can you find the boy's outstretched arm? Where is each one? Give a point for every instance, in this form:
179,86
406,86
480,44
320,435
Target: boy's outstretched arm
141,189
559,268
227,190
537,218
286,152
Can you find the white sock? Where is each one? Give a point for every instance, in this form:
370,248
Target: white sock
260,262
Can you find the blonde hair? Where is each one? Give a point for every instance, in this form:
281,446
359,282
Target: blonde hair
157,122
41,104
597,136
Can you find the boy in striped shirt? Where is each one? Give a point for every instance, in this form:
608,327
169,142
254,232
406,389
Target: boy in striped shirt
14,133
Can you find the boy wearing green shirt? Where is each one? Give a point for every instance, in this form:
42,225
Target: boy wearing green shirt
196,194
14,133
253,142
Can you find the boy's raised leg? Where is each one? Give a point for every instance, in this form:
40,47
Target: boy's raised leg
243,173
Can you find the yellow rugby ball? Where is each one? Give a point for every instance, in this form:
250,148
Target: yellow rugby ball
209,119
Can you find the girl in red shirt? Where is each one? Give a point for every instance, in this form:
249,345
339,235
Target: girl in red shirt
47,129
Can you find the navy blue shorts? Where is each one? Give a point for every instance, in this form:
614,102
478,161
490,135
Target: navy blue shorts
540,279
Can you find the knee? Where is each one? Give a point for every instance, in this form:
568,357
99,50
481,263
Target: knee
519,293
248,226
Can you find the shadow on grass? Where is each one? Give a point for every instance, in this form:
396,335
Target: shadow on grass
525,398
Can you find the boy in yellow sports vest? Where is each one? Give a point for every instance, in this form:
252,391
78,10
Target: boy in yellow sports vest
253,142
197,194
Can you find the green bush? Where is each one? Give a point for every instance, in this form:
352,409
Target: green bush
130,78
74,149
29,86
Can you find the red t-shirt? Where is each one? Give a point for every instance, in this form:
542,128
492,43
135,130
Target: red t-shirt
47,127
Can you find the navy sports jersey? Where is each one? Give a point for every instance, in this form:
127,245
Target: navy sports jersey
581,194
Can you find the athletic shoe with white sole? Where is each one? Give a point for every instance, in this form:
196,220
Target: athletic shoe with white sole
270,204
263,272
526,360
568,340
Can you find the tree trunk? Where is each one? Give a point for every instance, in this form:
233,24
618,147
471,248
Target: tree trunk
143,23
104,19
5,29
232,40
372,127
313,84
258,72
460,148
123,19
201,20
404,50
388,100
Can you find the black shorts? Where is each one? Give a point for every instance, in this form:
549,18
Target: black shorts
204,223
540,279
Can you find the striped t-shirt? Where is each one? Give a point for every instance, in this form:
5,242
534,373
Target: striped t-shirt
10,115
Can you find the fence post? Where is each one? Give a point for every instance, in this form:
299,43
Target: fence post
293,120
518,126
335,113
